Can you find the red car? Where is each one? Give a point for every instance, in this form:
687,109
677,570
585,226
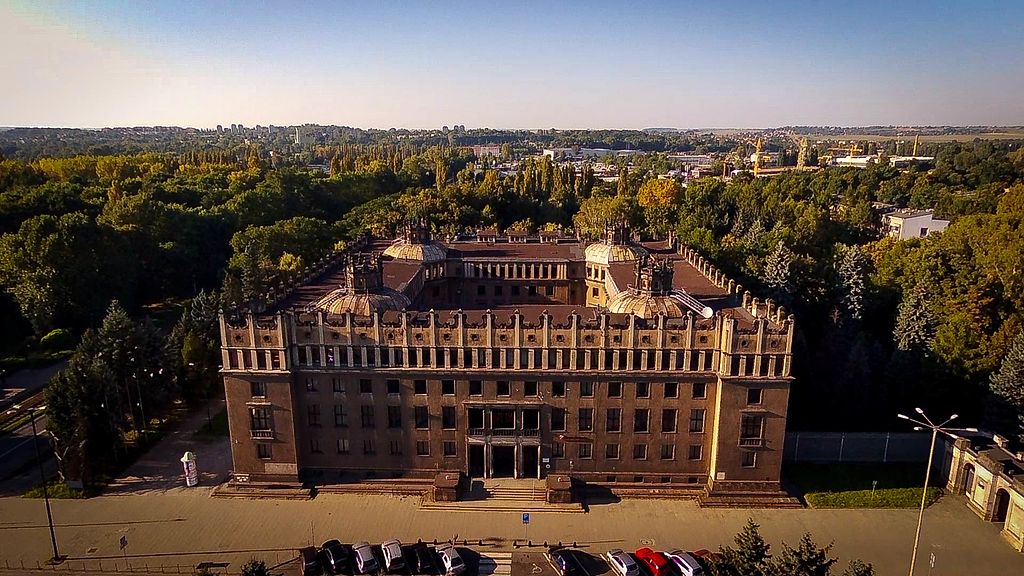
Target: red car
655,562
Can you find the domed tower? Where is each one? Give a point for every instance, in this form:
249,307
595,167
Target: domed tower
416,244
653,294
614,247
363,292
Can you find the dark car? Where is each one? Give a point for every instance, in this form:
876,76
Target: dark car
563,562
335,556
310,561
422,559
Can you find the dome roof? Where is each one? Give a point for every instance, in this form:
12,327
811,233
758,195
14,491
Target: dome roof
645,306
604,253
362,304
426,253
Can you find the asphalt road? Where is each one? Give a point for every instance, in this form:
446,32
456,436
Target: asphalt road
17,457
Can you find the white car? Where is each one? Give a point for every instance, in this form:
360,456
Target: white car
365,562
622,563
453,563
685,562
393,559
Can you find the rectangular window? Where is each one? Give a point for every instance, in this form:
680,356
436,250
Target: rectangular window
611,451
366,416
342,446
613,420
365,386
448,418
594,292
549,290
754,395
586,419
643,389
697,420
752,426
696,452
748,459
587,389
640,452
314,446
668,420
449,449
497,290
481,290
557,450
310,384
700,390
671,390
641,420
615,389
503,388
558,419
586,450
394,416
264,451
529,389
558,389
259,389
340,416
369,449
313,415
395,448
338,385
394,387
422,448
422,417
531,290
515,290
419,387
476,388
259,419
668,451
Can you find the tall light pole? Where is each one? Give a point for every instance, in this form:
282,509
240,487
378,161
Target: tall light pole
42,474
935,428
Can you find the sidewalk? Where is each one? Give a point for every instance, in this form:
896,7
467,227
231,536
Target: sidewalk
186,526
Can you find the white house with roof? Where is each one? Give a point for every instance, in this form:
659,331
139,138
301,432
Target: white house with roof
911,223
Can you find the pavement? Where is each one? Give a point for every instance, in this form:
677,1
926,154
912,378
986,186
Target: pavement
26,381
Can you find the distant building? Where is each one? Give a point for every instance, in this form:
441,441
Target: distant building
910,223
692,160
486,150
585,153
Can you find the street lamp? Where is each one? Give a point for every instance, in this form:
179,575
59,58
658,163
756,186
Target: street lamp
935,428
42,475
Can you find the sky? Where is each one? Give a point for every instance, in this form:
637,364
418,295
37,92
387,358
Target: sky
511,64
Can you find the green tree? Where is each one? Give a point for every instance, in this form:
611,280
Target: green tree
858,568
1008,382
804,560
852,275
915,322
255,567
778,273
751,555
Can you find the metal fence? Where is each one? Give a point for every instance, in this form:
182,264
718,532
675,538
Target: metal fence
857,447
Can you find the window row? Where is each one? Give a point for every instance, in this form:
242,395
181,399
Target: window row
368,419
641,420
514,290
393,387
448,448
612,451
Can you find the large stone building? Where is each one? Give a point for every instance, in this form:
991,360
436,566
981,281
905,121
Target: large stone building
618,362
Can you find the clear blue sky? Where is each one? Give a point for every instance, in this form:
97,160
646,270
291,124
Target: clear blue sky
511,64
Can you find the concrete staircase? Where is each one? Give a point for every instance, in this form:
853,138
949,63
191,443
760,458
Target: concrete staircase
780,499
502,495
518,490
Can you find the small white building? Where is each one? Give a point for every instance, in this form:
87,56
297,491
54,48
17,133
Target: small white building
692,160
910,223
991,477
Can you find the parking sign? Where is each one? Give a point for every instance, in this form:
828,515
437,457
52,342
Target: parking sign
526,517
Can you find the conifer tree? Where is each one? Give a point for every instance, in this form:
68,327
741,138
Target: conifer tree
915,322
778,272
852,271
1008,382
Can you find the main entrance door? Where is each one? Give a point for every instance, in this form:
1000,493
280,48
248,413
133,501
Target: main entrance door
531,462
503,464
476,460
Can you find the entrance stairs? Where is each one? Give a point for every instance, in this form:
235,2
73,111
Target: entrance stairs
502,495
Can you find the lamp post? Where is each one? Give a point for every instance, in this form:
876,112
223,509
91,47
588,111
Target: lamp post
935,428
42,474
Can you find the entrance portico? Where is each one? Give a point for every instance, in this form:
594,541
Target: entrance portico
503,441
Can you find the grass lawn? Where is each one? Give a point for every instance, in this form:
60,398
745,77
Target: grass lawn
850,485
219,429
60,491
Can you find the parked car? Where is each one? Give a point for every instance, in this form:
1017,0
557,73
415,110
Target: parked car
685,562
451,560
365,562
622,562
423,559
655,561
563,562
310,561
335,556
393,559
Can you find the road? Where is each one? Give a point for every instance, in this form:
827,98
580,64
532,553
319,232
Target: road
18,455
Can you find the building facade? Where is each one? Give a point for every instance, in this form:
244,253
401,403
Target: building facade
991,477
910,223
614,362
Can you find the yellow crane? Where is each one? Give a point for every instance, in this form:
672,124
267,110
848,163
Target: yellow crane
917,139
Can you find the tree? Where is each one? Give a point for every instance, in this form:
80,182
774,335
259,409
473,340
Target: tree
852,273
915,322
255,567
858,568
1008,382
750,557
804,560
778,272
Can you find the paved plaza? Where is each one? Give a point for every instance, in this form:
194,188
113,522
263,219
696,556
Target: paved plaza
180,526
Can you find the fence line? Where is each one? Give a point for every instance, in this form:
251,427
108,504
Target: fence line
865,447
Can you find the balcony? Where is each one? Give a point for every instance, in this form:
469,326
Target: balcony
752,442
262,434
503,433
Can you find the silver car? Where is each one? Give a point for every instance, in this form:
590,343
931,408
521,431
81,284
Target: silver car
393,559
622,563
685,562
365,562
